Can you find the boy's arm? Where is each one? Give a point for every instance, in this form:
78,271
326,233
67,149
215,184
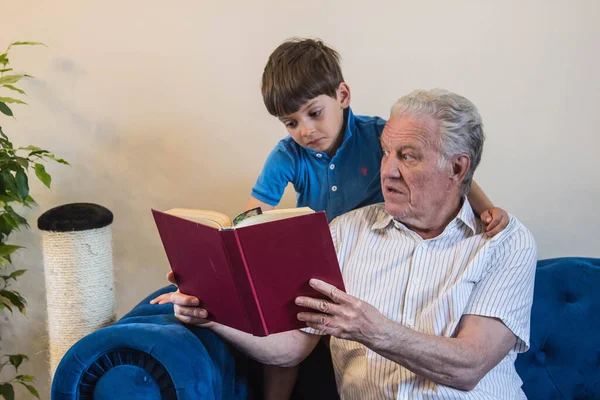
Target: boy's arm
495,218
253,202
478,199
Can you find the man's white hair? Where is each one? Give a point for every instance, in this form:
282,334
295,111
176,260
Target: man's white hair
461,128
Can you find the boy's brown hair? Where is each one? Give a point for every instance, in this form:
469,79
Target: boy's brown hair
298,71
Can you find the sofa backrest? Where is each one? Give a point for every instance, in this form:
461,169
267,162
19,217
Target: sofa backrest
563,361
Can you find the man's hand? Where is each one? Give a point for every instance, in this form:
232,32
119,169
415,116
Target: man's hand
165,297
345,316
187,310
495,219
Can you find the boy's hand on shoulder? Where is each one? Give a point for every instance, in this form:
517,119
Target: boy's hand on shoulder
495,219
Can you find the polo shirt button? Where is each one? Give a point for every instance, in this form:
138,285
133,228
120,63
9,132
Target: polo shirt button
319,155
332,166
334,188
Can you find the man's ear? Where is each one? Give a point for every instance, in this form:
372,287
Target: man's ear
343,95
460,166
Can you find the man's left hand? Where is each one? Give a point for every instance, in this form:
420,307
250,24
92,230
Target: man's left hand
343,316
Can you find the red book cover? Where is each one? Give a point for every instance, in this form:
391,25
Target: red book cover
248,278
201,266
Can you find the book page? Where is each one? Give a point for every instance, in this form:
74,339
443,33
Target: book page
274,215
210,218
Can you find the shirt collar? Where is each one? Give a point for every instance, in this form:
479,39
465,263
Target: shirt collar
465,215
350,122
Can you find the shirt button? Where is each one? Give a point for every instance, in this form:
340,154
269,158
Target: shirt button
319,155
410,323
334,188
332,166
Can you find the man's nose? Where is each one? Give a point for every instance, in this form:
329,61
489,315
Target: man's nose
389,167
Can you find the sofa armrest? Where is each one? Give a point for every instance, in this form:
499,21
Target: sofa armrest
149,354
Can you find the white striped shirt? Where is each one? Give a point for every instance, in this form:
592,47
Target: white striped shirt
428,285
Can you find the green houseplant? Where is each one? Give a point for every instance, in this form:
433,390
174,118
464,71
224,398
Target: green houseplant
16,163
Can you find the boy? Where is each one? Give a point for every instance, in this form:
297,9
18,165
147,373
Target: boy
331,156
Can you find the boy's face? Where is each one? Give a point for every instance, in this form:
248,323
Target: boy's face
318,123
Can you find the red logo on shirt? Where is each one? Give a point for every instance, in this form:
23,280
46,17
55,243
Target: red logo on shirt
364,171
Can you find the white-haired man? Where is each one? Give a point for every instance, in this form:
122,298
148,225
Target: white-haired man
434,308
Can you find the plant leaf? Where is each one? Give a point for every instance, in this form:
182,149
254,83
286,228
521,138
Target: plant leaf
7,391
31,389
20,220
8,249
25,378
10,100
4,58
3,134
5,69
9,181
58,160
26,44
16,360
6,305
16,273
23,162
11,221
16,299
11,87
4,109
40,172
31,148
7,79
22,184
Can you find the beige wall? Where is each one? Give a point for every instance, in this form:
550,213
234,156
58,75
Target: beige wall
157,104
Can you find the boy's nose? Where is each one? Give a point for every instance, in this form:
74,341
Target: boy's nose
307,130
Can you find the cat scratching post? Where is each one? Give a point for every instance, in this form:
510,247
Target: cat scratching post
78,267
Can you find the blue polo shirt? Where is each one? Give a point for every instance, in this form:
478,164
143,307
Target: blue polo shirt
335,185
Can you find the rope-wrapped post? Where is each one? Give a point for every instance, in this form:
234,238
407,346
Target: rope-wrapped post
78,269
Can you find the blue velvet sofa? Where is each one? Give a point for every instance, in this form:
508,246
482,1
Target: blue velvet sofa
150,355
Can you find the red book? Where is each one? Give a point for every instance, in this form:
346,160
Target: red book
248,277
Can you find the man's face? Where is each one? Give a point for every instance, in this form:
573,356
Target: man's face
318,123
413,181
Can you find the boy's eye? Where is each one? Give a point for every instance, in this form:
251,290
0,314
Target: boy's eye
290,124
315,114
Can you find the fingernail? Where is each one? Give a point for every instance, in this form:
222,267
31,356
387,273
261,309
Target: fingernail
185,318
195,302
313,282
299,301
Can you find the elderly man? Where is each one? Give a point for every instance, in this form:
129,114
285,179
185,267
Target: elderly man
434,308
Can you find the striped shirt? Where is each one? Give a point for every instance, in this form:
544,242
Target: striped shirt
428,285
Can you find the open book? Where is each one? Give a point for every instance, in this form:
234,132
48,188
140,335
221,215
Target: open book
248,271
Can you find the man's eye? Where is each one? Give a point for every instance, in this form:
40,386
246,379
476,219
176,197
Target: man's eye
386,153
407,157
